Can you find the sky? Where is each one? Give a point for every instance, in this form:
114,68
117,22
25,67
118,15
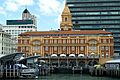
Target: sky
48,12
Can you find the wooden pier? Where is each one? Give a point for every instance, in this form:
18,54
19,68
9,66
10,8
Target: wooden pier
6,72
102,72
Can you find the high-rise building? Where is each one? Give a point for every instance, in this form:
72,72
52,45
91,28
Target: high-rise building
7,43
97,15
16,27
27,16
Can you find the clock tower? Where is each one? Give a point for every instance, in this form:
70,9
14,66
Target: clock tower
66,23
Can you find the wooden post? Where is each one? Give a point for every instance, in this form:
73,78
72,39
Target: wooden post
6,71
0,71
10,71
96,72
14,70
67,62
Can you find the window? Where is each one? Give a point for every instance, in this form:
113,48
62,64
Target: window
81,48
23,48
93,45
55,48
59,41
46,48
102,48
66,19
25,41
107,55
36,42
64,48
64,41
19,41
55,41
36,48
102,55
107,47
93,48
73,48
27,48
73,41
22,41
92,42
81,41
104,41
46,41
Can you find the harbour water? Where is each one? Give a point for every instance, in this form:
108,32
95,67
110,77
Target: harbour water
69,77
74,77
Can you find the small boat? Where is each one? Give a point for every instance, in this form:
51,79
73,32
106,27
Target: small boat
28,73
113,64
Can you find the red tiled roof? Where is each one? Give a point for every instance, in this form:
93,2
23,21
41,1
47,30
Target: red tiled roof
66,32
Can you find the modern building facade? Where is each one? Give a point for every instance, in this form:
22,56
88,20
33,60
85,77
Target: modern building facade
7,44
67,41
97,15
16,27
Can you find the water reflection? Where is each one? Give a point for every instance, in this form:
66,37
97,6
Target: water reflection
69,77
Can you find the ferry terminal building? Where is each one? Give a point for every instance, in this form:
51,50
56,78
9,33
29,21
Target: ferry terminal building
86,45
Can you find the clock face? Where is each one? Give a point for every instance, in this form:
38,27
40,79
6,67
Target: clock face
66,28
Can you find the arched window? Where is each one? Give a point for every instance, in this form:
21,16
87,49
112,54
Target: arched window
73,48
46,48
102,55
36,48
46,41
55,41
73,40
81,48
64,41
55,48
92,45
36,42
64,48
107,55
66,19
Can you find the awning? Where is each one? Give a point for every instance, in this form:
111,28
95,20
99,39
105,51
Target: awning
81,55
92,53
42,61
72,55
62,55
54,55
11,57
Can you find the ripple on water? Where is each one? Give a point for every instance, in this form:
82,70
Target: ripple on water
73,77
68,77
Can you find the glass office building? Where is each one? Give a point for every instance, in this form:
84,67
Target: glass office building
97,15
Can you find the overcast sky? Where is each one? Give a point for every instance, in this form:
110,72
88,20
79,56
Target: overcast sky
47,12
